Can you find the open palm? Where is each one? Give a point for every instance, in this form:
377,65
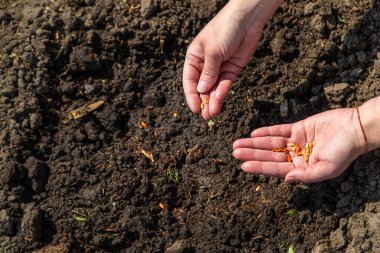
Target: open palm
338,139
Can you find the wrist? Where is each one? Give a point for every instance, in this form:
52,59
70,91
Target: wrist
370,119
253,13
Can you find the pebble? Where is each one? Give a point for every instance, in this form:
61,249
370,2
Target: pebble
6,224
35,121
336,92
176,247
148,7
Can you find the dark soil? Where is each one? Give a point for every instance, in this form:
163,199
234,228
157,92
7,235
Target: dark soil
84,185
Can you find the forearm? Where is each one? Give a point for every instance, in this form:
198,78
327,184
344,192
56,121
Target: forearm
370,117
253,12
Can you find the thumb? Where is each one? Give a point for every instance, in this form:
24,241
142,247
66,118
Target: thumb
297,174
312,174
210,73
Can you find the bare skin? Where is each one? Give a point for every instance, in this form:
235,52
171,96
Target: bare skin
339,141
220,52
214,59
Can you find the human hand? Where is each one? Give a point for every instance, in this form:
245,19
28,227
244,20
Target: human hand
338,137
221,50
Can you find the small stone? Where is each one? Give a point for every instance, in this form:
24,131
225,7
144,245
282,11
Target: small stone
336,92
88,89
35,121
318,23
177,247
148,7
278,43
6,224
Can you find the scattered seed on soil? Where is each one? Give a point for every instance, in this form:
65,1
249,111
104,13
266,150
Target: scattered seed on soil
258,188
162,206
143,124
148,155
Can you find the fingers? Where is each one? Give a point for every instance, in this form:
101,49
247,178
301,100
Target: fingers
266,143
248,154
275,169
284,130
191,73
205,98
210,72
229,71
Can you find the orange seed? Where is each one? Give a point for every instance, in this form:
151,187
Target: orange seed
143,124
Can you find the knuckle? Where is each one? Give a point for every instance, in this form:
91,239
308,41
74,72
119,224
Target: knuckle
207,73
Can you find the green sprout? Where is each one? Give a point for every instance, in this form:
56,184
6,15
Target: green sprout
79,218
292,212
232,92
291,249
341,20
211,124
172,176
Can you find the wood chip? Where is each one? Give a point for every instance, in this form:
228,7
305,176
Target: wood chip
84,110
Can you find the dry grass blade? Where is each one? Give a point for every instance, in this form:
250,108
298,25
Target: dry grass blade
84,110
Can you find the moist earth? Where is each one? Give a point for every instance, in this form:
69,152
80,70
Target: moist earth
99,152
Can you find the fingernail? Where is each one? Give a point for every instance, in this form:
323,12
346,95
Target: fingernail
243,167
202,86
290,180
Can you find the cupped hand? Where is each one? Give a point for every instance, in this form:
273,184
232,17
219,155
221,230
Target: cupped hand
338,141
220,51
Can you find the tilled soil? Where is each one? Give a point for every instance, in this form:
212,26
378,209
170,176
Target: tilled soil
139,172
